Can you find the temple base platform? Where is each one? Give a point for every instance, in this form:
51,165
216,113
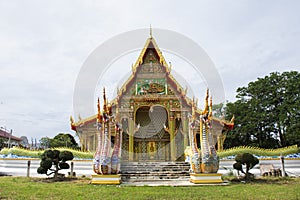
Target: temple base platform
112,179
212,178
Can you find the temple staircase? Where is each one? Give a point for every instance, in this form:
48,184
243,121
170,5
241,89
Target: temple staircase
154,171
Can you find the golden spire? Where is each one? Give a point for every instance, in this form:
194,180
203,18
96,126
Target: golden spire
109,109
206,102
232,119
98,105
99,118
104,101
71,119
210,107
150,31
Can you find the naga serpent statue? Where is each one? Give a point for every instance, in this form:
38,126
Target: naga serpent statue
106,159
205,160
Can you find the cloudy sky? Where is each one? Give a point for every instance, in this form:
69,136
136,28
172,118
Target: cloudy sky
43,45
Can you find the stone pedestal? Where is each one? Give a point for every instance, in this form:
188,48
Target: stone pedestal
211,178
113,179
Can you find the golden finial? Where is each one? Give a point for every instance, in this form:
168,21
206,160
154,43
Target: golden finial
109,109
185,90
150,31
210,107
232,119
206,102
104,101
207,94
71,119
98,105
99,112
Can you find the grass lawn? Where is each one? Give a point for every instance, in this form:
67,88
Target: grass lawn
30,188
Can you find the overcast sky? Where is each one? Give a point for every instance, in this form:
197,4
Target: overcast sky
43,45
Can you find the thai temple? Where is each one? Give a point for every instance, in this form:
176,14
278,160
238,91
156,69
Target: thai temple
152,120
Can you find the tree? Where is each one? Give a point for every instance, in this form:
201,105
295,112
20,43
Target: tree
56,159
245,159
45,142
3,143
219,110
63,140
267,112
24,142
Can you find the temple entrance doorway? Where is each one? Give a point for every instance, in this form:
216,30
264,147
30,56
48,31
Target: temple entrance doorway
151,140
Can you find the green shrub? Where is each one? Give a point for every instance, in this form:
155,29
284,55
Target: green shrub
63,165
56,154
54,158
245,159
46,163
41,170
49,154
66,155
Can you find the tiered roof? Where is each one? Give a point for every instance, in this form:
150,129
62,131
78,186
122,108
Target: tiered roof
150,44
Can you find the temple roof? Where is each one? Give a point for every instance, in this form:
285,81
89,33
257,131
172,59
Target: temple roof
149,45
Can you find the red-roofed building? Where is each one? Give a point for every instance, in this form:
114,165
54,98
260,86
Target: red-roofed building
8,138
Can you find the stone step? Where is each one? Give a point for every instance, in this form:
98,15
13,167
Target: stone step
154,168
154,171
145,177
179,165
152,162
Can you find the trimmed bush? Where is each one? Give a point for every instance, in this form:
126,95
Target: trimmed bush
41,170
56,159
66,155
63,165
245,159
46,163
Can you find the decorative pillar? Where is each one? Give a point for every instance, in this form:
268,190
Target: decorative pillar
85,142
220,147
131,136
185,127
94,142
221,139
172,136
